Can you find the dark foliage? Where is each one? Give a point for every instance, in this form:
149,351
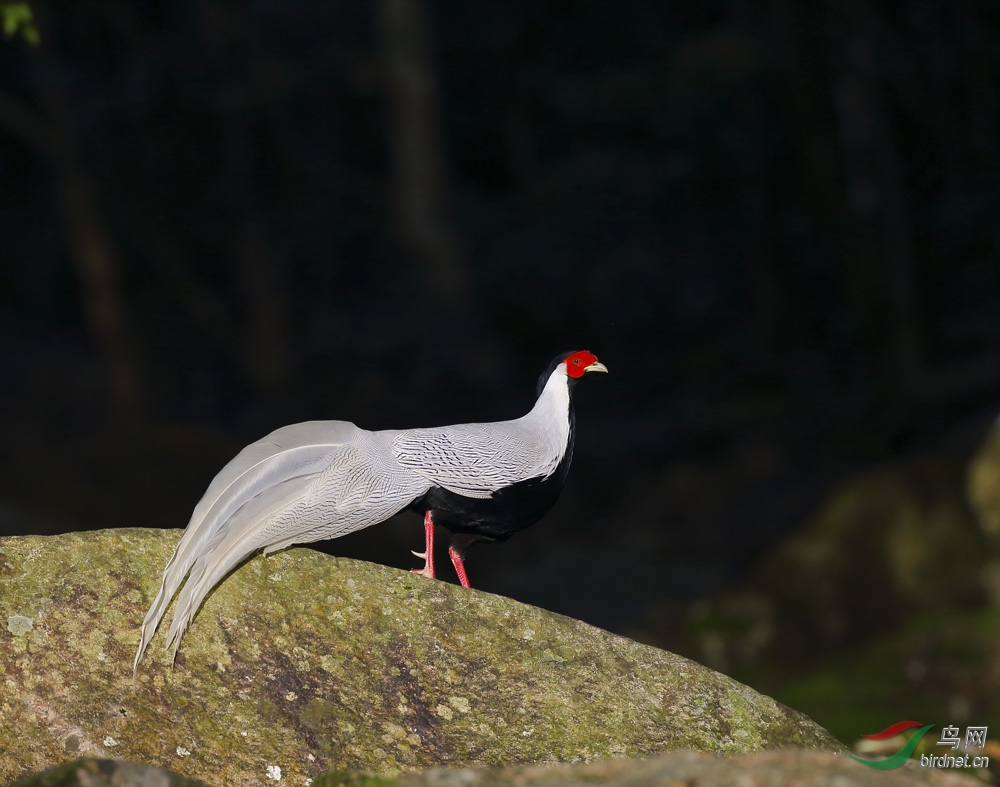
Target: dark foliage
776,223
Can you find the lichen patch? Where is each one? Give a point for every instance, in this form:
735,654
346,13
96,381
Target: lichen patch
19,625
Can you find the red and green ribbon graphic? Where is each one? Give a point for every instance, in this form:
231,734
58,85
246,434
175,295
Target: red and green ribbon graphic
903,754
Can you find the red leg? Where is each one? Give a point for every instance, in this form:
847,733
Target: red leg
459,564
428,553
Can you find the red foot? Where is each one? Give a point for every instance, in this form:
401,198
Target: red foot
428,553
459,564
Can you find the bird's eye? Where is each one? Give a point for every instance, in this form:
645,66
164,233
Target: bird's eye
576,361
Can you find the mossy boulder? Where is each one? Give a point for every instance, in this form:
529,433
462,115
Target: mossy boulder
939,667
983,485
308,663
888,546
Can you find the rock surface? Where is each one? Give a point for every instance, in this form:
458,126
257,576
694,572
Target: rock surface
686,769
306,663
691,769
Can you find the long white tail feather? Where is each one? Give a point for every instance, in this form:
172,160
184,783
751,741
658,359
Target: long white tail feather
269,515
285,453
296,450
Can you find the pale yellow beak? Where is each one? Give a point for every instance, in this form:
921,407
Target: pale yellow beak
597,366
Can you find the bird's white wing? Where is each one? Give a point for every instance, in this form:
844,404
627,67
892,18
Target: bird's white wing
476,460
300,483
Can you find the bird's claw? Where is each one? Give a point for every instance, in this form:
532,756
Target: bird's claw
427,570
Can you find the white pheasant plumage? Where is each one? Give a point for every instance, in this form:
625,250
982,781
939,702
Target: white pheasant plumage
324,479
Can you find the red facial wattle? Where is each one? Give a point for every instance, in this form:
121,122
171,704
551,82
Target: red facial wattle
577,363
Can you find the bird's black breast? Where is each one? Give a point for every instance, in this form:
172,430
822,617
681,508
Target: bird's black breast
508,510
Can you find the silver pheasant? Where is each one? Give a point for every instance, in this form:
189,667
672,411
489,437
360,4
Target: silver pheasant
324,479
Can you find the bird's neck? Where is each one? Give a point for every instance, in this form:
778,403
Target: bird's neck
553,405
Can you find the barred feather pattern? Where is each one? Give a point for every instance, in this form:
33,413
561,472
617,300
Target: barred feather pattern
477,460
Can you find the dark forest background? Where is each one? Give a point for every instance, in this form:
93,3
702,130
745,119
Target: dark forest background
776,223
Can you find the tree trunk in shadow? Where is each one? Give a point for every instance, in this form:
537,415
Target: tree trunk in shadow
95,257
755,197
417,147
852,173
805,91
875,187
979,78
450,324
266,354
91,245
